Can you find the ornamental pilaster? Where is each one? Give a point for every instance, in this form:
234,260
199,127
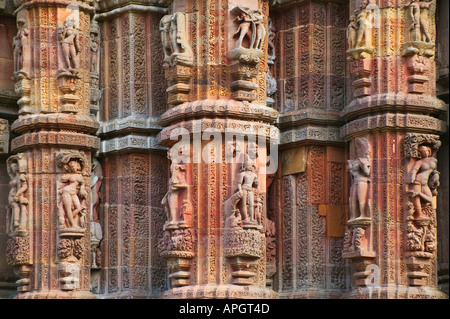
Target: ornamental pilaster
217,229
49,244
393,124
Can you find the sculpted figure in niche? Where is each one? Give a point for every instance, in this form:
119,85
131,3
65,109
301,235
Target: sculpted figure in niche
251,27
20,41
94,45
175,198
360,170
418,12
260,32
423,175
364,20
352,31
70,45
259,211
18,204
164,27
72,194
176,47
247,180
271,53
96,229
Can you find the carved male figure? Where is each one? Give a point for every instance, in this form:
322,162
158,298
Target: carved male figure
247,180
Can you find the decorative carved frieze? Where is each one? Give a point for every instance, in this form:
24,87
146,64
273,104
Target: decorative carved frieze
394,121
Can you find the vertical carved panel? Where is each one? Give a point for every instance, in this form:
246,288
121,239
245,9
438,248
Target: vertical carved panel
287,271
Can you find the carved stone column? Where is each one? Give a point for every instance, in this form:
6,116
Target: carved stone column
49,194
308,188
216,63
135,167
394,123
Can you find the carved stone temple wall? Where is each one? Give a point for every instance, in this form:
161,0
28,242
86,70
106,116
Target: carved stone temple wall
224,149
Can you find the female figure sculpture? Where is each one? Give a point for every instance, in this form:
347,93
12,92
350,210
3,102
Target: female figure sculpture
176,195
418,13
73,194
422,173
68,36
364,21
19,42
18,204
360,170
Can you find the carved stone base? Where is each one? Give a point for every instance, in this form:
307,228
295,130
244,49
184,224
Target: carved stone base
223,291
57,294
23,272
418,47
360,53
395,292
180,274
243,270
418,264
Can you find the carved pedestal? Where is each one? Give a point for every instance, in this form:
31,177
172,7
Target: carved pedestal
177,248
243,248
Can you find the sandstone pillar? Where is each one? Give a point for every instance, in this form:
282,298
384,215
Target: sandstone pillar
442,88
215,63
8,111
48,217
309,189
134,167
394,123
